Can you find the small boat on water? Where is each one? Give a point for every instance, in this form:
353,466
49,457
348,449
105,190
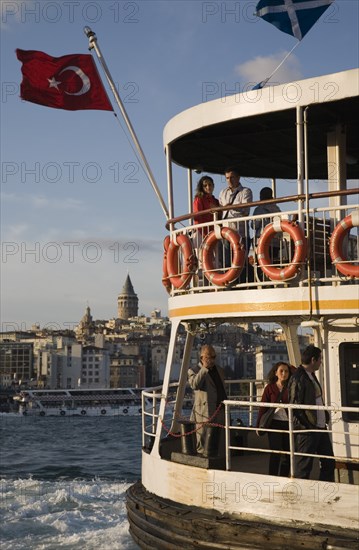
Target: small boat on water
80,402
303,132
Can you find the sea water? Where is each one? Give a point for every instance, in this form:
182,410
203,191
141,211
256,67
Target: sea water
63,481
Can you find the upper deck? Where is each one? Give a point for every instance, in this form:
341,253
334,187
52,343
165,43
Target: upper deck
305,133
256,130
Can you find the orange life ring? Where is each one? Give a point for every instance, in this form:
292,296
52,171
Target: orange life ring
225,278
300,251
336,245
165,279
181,279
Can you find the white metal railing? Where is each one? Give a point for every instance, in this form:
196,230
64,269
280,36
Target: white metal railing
229,405
319,227
249,406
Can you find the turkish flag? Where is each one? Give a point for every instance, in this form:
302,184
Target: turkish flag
69,82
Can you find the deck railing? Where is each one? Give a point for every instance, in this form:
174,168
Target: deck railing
240,418
316,267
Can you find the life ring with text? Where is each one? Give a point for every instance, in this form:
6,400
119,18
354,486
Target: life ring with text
62,413
300,250
165,279
227,277
336,245
180,276
42,413
83,412
103,411
125,411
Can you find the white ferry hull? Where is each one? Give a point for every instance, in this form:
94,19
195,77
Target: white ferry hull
193,507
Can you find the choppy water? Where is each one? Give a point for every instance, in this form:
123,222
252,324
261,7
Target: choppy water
63,481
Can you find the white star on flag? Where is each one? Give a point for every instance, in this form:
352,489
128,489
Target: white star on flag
53,83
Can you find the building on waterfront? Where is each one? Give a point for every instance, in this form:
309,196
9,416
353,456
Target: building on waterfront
128,368
16,363
95,367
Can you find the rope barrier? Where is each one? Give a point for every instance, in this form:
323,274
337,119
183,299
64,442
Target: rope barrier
199,424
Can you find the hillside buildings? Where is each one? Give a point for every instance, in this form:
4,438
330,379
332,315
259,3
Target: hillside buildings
128,351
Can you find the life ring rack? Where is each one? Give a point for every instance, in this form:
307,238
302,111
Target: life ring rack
227,277
336,245
178,278
300,251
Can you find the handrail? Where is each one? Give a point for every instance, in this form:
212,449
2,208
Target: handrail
279,200
249,405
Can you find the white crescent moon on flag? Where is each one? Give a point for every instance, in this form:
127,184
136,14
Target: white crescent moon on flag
86,84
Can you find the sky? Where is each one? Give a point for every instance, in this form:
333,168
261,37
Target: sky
77,211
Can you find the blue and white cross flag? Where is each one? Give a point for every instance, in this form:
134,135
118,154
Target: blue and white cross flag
295,17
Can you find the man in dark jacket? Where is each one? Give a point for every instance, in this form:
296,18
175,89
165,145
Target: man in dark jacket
305,389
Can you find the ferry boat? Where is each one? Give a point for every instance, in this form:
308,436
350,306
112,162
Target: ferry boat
305,133
80,402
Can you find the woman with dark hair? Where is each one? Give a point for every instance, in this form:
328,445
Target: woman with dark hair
204,200
276,392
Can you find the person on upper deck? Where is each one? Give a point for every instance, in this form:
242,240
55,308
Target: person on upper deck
207,381
304,389
276,392
271,208
258,225
236,194
204,200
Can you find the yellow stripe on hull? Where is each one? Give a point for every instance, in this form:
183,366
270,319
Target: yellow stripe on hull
256,307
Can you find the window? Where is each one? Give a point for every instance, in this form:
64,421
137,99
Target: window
349,377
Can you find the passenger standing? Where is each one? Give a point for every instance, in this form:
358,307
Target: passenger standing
207,381
305,389
204,200
276,391
236,194
258,225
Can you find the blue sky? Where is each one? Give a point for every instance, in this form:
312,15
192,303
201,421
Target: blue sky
77,211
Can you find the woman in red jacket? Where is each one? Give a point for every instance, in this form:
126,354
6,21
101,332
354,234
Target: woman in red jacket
204,200
277,382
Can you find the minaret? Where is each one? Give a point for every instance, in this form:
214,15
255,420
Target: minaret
127,302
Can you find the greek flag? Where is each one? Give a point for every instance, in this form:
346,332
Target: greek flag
295,17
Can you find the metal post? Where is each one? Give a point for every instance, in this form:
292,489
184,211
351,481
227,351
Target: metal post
300,161
291,441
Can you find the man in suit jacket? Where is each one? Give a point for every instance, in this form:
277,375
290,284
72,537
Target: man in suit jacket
207,381
304,389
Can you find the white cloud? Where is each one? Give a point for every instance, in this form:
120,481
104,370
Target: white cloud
15,231
40,201
261,67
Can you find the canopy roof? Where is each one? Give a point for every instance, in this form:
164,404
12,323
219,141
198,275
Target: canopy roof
256,131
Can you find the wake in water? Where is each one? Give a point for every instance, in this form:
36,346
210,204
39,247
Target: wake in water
48,515
63,482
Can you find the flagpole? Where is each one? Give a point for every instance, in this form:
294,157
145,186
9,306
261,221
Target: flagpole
264,82
94,45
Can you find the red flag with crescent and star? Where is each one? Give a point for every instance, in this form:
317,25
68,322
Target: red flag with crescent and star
69,82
